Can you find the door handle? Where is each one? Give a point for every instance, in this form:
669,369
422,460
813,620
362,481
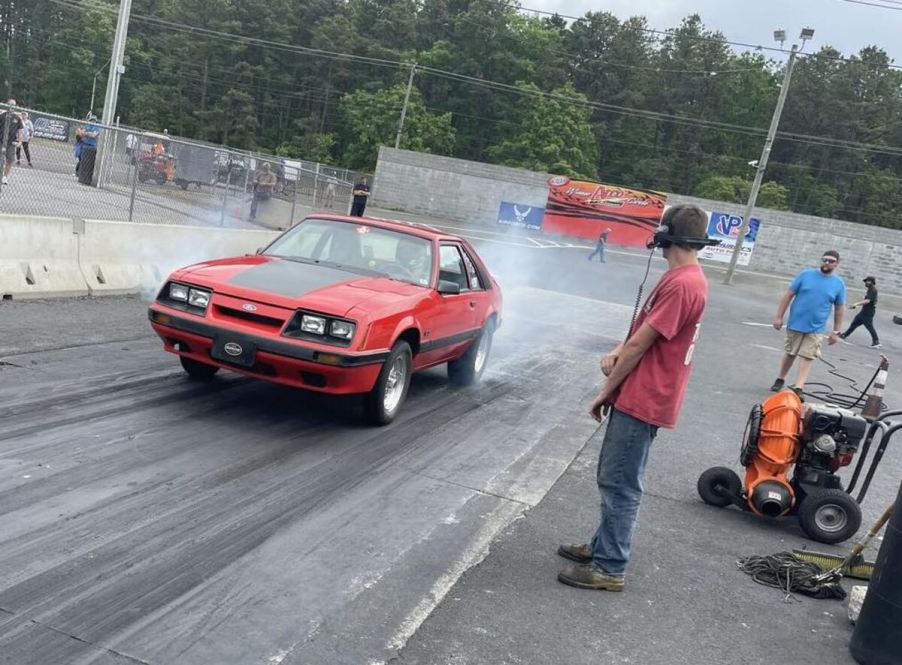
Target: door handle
472,304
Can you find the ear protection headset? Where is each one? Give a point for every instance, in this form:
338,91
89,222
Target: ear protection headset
664,239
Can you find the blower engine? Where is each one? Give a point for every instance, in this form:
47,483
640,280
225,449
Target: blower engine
792,454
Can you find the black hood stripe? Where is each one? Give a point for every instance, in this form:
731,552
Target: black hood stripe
290,278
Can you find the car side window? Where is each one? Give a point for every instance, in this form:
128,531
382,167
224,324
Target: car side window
451,266
472,273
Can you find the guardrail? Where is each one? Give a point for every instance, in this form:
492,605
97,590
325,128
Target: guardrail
43,257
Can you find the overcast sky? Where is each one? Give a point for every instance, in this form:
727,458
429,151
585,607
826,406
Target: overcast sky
843,25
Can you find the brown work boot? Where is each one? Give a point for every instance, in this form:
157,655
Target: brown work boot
587,576
579,553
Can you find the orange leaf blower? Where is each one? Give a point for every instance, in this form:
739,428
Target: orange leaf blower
792,454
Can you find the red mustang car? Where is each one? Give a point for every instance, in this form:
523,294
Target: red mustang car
337,305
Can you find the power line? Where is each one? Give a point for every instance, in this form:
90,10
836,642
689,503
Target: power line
494,85
721,40
873,4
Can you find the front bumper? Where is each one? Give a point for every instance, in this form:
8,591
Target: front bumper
277,360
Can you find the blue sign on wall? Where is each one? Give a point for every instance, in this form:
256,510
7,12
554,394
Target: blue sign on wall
517,214
723,225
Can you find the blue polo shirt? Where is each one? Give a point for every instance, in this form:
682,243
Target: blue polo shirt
89,140
816,296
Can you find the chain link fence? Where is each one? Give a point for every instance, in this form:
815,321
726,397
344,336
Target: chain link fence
83,168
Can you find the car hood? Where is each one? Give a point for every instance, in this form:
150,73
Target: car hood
292,284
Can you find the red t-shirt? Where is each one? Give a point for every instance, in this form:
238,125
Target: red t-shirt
653,392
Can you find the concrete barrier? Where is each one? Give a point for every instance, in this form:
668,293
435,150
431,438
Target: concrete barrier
39,258
123,257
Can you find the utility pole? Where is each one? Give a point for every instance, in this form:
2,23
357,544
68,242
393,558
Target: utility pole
94,85
112,79
413,69
779,35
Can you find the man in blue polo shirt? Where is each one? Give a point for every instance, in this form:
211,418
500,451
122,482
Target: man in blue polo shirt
813,293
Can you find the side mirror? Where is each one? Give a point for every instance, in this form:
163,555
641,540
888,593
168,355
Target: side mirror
448,288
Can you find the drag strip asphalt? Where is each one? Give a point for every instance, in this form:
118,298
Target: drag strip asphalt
147,518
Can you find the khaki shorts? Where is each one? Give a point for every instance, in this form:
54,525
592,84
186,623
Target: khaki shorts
804,345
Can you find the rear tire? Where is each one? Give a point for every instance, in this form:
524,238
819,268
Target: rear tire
717,484
468,369
384,401
829,516
197,370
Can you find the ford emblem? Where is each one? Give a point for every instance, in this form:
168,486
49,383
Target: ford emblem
233,349
247,307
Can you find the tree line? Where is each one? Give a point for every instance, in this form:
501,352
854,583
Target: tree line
679,110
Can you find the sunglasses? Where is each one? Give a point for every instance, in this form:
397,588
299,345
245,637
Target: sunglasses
827,259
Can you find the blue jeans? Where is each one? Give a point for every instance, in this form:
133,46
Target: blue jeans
621,466
599,252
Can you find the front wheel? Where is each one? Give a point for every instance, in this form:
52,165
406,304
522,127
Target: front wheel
468,369
197,370
829,516
384,401
717,485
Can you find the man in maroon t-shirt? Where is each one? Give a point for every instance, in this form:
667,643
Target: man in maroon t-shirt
646,380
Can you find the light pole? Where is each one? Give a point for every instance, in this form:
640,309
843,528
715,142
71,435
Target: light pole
413,68
117,69
780,36
94,85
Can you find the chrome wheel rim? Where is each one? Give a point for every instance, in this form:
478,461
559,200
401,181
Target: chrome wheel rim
482,353
830,518
394,385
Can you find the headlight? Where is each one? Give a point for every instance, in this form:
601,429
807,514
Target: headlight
178,291
342,329
198,298
313,324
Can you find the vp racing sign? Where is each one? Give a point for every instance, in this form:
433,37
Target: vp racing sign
50,128
725,227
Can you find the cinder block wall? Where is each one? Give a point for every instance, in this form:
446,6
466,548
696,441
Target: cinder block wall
465,191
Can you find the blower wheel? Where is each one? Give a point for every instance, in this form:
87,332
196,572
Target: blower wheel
717,484
829,515
750,437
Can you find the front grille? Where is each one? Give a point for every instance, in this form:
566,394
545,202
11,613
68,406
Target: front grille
268,321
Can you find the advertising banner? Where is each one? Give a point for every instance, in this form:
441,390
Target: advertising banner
725,227
523,216
585,209
50,128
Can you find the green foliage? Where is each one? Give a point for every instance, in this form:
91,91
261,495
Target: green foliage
551,134
264,92
736,189
371,119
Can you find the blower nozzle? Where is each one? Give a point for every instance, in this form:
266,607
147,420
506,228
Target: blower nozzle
771,498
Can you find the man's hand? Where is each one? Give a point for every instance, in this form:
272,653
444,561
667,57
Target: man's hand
833,338
598,403
608,361
778,323
853,306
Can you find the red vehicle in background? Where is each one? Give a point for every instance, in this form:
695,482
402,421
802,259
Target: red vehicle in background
337,305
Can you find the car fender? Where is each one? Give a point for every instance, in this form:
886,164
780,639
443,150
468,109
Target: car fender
408,322
383,331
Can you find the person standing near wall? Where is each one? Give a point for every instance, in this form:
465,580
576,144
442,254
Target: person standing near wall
361,192
11,126
88,152
27,133
866,316
264,183
813,293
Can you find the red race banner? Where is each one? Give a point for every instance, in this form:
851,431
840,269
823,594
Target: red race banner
585,209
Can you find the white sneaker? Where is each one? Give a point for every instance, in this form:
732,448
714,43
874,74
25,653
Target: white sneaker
878,345
5,180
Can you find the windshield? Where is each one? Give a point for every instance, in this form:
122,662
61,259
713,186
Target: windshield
358,247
